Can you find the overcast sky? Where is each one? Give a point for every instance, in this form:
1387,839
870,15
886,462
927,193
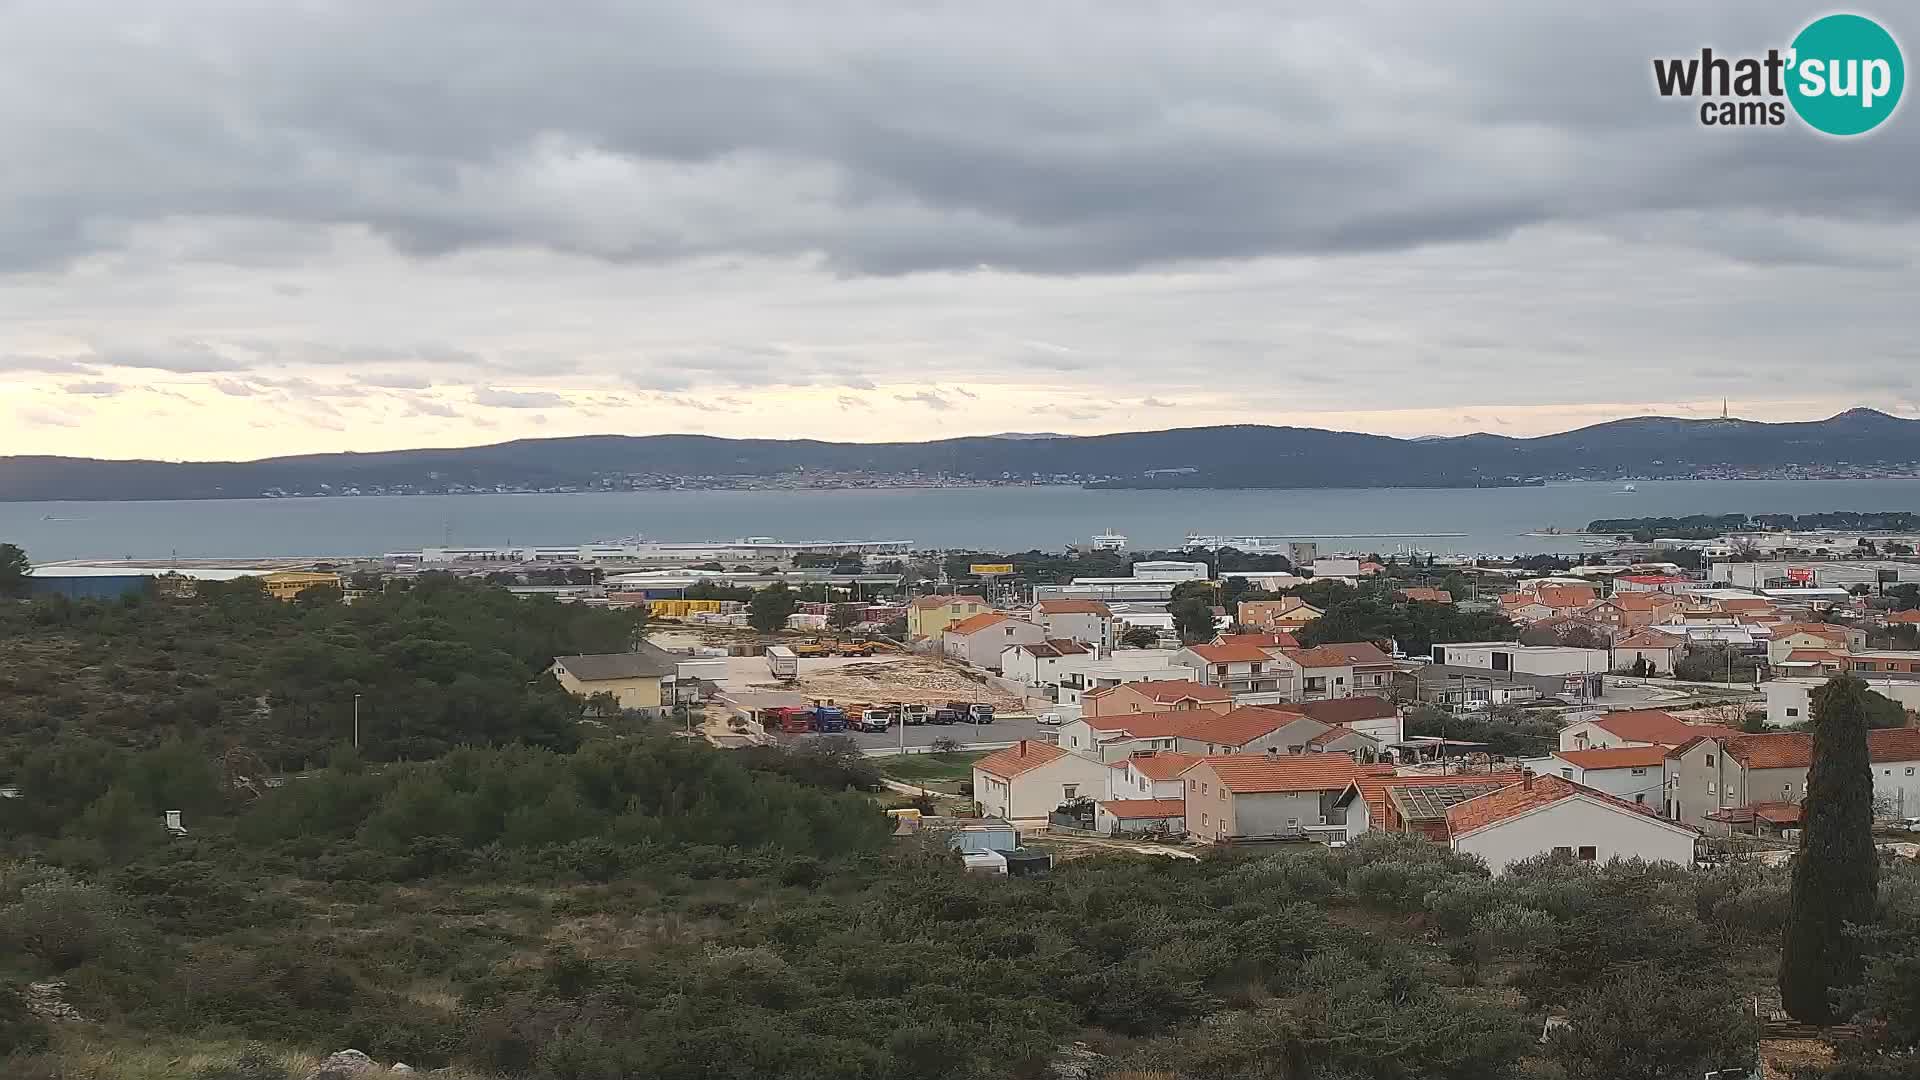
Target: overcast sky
236,229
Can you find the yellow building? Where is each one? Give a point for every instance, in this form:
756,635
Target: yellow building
929,616
637,680
287,584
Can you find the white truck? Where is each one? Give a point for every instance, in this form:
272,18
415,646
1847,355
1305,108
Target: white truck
782,663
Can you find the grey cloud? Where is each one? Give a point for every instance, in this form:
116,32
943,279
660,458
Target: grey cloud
917,141
396,380
93,388
517,399
932,399
179,357
235,388
39,417
45,365
429,407
1156,403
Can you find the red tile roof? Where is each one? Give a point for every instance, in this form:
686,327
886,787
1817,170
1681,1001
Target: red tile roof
1339,654
1643,601
1565,596
1241,726
1429,596
1347,710
1654,579
1814,656
1904,616
1619,757
1516,799
1146,725
1385,818
1168,690
1056,647
1136,809
1159,765
1251,774
973,623
1823,630
1755,603
1074,607
1022,757
1229,654
1794,749
1651,638
1656,726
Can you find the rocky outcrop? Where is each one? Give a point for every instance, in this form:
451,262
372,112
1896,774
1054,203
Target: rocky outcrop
342,1065
46,1001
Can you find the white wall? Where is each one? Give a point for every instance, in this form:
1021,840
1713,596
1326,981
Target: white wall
1896,788
1036,792
1649,785
1024,667
1576,823
1789,701
1081,626
1529,659
982,648
1268,814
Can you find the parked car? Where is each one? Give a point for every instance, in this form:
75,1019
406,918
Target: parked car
944,716
1050,719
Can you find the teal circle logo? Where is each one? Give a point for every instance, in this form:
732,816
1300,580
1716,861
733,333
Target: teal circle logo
1846,75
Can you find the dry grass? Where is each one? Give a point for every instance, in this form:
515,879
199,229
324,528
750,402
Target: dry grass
88,1052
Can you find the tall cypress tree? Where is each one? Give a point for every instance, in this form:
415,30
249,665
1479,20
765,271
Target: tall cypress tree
1837,872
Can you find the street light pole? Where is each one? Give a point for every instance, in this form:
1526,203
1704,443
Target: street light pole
356,721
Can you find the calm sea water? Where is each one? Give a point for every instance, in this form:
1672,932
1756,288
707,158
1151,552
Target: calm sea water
1493,520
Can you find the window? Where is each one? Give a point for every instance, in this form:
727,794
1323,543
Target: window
1193,785
1068,791
1203,789
1638,772
1563,851
1709,761
1640,800
1203,819
1339,680
1588,854
1909,770
1793,712
1710,788
1567,773
1223,794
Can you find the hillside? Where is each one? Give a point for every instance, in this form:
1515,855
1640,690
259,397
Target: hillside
1209,457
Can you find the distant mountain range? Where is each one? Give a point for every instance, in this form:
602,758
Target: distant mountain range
1856,442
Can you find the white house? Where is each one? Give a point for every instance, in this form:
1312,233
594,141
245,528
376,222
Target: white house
1338,670
1655,646
1635,727
1254,676
1149,775
1790,701
981,639
1378,718
1548,814
1089,622
1123,666
1044,663
1123,817
1256,795
1636,774
1029,779
1526,659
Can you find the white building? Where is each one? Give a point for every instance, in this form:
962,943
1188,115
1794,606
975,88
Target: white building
1169,570
1343,568
1526,659
1089,622
1636,727
1149,775
980,640
1140,590
1044,663
1030,779
1636,774
1548,814
1790,700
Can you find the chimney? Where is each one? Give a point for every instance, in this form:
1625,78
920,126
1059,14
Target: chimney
1526,779
1023,748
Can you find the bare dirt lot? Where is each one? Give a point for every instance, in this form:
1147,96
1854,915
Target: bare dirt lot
911,680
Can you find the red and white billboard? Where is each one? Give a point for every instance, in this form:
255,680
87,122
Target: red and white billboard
1800,574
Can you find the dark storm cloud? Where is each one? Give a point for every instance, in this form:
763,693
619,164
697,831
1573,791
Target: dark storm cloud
1062,138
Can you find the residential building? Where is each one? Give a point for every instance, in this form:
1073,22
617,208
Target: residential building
1089,622
1447,685
1345,740
1120,666
1625,612
1528,659
1709,775
1424,596
1171,695
1250,730
1141,817
1634,773
1635,727
1152,774
981,639
1336,568
1548,814
1254,795
1869,662
1658,648
1253,675
929,616
1790,699
1903,618
289,584
1376,717
1524,609
1044,663
1650,583
636,679
1789,638
1144,590
1413,804
1340,670
1029,779
1115,738
1287,614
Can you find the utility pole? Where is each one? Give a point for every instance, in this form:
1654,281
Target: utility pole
356,721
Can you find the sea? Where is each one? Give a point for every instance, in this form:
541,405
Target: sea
1489,521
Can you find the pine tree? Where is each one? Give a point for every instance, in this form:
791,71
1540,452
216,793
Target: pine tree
1837,873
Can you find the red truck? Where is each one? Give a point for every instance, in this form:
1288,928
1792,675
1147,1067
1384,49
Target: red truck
789,721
